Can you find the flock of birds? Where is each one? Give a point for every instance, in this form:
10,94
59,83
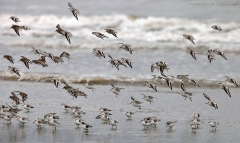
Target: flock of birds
8,112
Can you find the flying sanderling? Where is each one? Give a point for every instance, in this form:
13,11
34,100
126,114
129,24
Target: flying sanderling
111,31
73,10
192,52
210,102
151,85
189,37
66,55
14,69
225,88
99,35
148,98
15,19
126,47
215,27
89,86
231,80
136,103
115,90
10,58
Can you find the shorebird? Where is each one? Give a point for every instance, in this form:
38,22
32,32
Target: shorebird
39,122
86,126
170,124
98,53
53,122
220,53
129,114
14,69
111,31
27,106
79,93
75,108
103,117
79,113
186,94
155,121
115,62
14,98
22,120
146,123
127,61
89,86
231,80
26,61
160,65
225,88
136,103
36,51
158,78
73,10
57,59
64,33
151,85
66,55
8,117
15,19
148,98
66,107
215,27
77,121
13,111
194,82
112,122
210,57
39,62
196,115
169,80
197,121
55,81
210,102
16,28
115,90
189,37
99,35
3,111
104,109
191,51
213,124
126,47
194,127
46,116
10,58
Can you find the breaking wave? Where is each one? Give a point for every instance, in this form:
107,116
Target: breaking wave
147,32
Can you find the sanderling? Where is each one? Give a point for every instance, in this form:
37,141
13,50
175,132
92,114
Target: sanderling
57,59
194,82
77,121
26,61
98,53
160,65
36,51
112,122
103,117
79,113
73,10
105,113
15,19
158,78
151,85
155,121
53,121
14,69
215,27
170,124
191,51
196,115
168,79
194,127
66,55
64,33
126,47
66,107
148,98
213,124
14,98
115,62
189,37
89,86
75,108
182,77
186,94
8,57
210,102
197,121
79,93
39,62
86,126
99,35
146,123
231,80
3,111
220,53
55,81
46,116
115,90
27,106
127,61
225,88
16,28
210,57
8,117
23,95
104,109
129,114
22,120
111,31
136,103
39,122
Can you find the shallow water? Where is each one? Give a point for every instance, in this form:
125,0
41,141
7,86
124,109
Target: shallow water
168,106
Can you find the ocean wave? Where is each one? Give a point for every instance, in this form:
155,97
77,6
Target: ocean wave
100,79
155,31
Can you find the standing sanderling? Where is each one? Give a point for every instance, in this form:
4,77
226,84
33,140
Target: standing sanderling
210,102
213,124
189,37
155,121
66,107
170,124
197,121
53,122
39,122
112,122
77,121
129,114
27,106
86,126
21,120
194,127
146,123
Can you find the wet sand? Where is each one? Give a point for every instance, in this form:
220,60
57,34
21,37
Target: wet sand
169,105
